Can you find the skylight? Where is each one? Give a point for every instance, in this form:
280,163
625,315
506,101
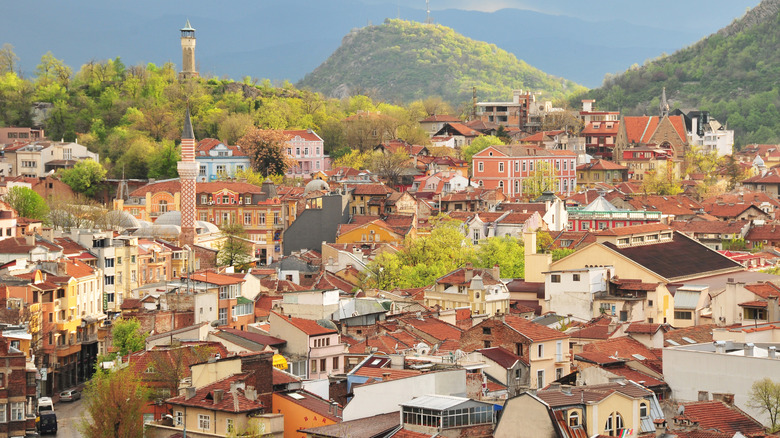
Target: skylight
688,340
296,395
672,342
639,357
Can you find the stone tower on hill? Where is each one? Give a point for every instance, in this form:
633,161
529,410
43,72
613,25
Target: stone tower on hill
188,52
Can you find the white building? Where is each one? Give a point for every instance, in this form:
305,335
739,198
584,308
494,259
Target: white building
41,157
571,292
709,135
707,371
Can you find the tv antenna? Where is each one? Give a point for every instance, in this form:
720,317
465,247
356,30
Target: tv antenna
428,19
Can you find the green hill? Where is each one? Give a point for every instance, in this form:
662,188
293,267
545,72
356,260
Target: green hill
402,61
732,73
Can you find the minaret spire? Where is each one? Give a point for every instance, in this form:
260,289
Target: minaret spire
664,104
188,172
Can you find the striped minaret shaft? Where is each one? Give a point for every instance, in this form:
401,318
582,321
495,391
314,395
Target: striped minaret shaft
188,172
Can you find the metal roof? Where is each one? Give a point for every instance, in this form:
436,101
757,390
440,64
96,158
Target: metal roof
440,402
686,299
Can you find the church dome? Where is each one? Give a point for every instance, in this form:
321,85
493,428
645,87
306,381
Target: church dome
204,227
123,219
315,185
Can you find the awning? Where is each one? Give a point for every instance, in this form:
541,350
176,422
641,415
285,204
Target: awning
243,300
280,362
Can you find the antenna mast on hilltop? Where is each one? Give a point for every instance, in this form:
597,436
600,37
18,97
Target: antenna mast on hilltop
428,12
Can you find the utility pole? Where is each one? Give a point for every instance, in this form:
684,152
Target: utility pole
428,19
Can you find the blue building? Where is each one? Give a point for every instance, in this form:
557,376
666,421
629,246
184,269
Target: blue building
217,160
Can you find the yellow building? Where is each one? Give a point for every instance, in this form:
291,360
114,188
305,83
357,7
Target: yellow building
643,256
367,229
601,172
480,290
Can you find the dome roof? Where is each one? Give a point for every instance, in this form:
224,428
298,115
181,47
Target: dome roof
169,218
123,219
204,227
314,185
328,324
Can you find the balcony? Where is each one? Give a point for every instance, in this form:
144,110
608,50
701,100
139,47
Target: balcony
68,349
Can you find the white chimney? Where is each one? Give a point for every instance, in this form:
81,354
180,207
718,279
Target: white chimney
748,349
720,347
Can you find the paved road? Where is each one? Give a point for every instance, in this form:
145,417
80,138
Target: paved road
69,415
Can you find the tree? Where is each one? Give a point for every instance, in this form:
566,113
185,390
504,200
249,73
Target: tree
8,59
266,150
27,203
128,336
115,401
661,181
507,252
765,396
565,120
234,126
172,365
163,162
388,165
354,159
540,180
85,177
478,145
234,250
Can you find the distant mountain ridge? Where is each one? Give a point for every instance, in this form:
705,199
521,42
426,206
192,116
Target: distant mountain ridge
731,73
404,61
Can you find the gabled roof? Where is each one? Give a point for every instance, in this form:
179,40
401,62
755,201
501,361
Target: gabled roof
256,338
370,427
234,402
434,327
375,189
305,134
771,177
531,330
501,356
308,326
311,402
440,118
217,279
641,129
600,165
710,227
717,416
625,347
458,277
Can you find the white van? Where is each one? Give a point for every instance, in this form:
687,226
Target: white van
45,404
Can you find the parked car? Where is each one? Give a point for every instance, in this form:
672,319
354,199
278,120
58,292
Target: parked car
70,395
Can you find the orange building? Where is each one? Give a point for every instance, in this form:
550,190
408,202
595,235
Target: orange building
303,410
367,229
234,310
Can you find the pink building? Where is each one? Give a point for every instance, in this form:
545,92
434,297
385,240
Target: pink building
506,167
308,149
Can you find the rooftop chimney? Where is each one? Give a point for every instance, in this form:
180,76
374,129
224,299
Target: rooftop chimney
385,377
217,395
748,349
189,392
468,272
250,393
772,352
660,427
720,347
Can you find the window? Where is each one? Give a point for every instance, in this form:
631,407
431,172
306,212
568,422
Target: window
247,218
132,259
178,418
575,277
2,412
204,422
109,263
540,351
17,411
220,169
748,313
486,344
555,278
688,315
481,166
518,348
247,199
335,363
109,280
486,330
614,424
574,418
540,379
643,410
500,167
261,219
229,425
323,365
202,171
223,316
313,366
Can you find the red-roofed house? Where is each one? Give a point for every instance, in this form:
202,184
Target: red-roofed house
432,124
768,182
507,368
601,171
314,349
303,410
600,138
650,136
217,160
546,350
234,310
308,150
461,134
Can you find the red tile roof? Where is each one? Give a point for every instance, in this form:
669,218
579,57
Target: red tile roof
213,278
174,186
436,328
231,401
458,277
531,330
643,328
501,356
371,189
634,229
717,416
600,165
699,334
379,373
625,347
308,326
305,134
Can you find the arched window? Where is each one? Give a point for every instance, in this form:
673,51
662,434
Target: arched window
614,424
574,418
162,206
643,409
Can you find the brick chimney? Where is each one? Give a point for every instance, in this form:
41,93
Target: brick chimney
660,427
468,272
260,369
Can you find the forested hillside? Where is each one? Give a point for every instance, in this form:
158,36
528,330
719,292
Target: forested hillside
733,73
132,115
401,61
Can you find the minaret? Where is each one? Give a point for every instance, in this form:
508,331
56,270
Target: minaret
188,52
188,171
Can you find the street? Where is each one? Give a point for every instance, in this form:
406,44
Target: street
69,415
